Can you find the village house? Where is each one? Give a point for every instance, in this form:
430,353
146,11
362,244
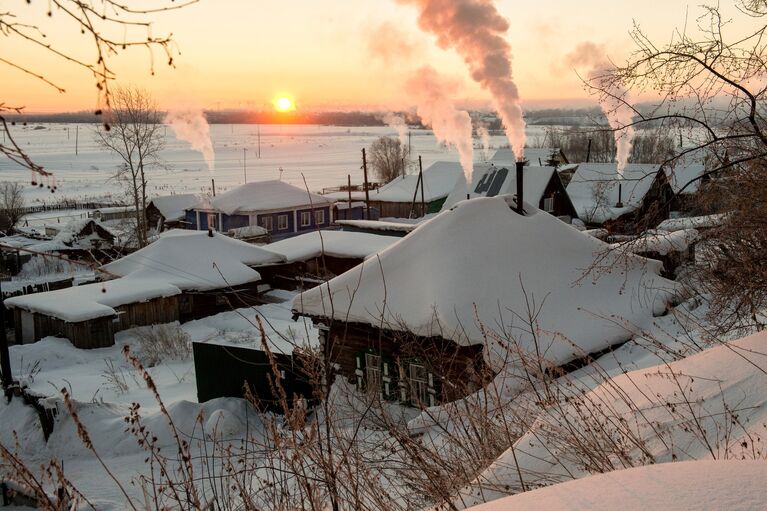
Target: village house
183,275
406,196
315,257
282,209
541,187
411,324
168,212
639,197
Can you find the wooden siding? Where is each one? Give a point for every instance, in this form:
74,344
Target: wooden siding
459,369
99,332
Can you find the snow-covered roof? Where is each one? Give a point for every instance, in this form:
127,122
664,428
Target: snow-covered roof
172,207
377,225
249,231
660,242
535,155
265,196
482,253
685,179
71,236
593,189
193,260
90,301
439,179
693,222
344,244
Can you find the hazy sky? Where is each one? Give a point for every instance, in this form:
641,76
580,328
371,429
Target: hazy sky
241,53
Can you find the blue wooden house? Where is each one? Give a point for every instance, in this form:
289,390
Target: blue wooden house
283,210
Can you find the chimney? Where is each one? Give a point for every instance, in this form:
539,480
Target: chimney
520,186
619,204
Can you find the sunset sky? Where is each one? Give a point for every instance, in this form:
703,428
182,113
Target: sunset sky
243,53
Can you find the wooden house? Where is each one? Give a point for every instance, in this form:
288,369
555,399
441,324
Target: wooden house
412,323
315,257
213,272
168,212
283,210
629,202
542,187
405,197
89,315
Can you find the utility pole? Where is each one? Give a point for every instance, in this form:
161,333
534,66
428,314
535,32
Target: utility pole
258,128
367,193
349,189
420,175
5,357
244,164
77,137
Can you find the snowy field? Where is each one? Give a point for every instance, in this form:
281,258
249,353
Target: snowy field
324,155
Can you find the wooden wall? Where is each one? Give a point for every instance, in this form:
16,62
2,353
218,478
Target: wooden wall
460,369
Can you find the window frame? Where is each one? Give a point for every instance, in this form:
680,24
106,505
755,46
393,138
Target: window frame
267,222
280,218
319,216
548,201
308,216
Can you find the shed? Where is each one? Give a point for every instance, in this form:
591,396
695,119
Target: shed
113,213
411,324
212,271
638,198
89,315
168,212
282,209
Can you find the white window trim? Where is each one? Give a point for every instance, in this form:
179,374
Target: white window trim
280,219
548,204
308,215
267,222
319,216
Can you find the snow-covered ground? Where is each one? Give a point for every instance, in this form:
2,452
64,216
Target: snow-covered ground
323,154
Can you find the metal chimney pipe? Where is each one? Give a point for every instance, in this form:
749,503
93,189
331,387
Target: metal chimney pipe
619,204
520,186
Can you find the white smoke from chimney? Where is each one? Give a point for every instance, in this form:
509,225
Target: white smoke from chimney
432,93
484,137
614,97
476,30
191,126
398,124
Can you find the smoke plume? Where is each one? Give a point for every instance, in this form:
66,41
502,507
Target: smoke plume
484,137
399,124
476,30
191,126
613,97
391,44
432,94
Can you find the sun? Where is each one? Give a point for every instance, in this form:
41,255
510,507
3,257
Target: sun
284,104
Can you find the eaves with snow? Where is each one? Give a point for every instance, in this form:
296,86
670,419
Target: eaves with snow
480,266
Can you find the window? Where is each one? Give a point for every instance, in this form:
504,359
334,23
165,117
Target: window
212,221
306,219
373,372
319,216
282,222
266,223
419,385
548,204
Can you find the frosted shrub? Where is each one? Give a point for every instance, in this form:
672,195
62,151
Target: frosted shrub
158,343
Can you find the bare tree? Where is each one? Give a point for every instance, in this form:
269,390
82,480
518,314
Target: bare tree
11,205
389,158
97,19
711,81
135,134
